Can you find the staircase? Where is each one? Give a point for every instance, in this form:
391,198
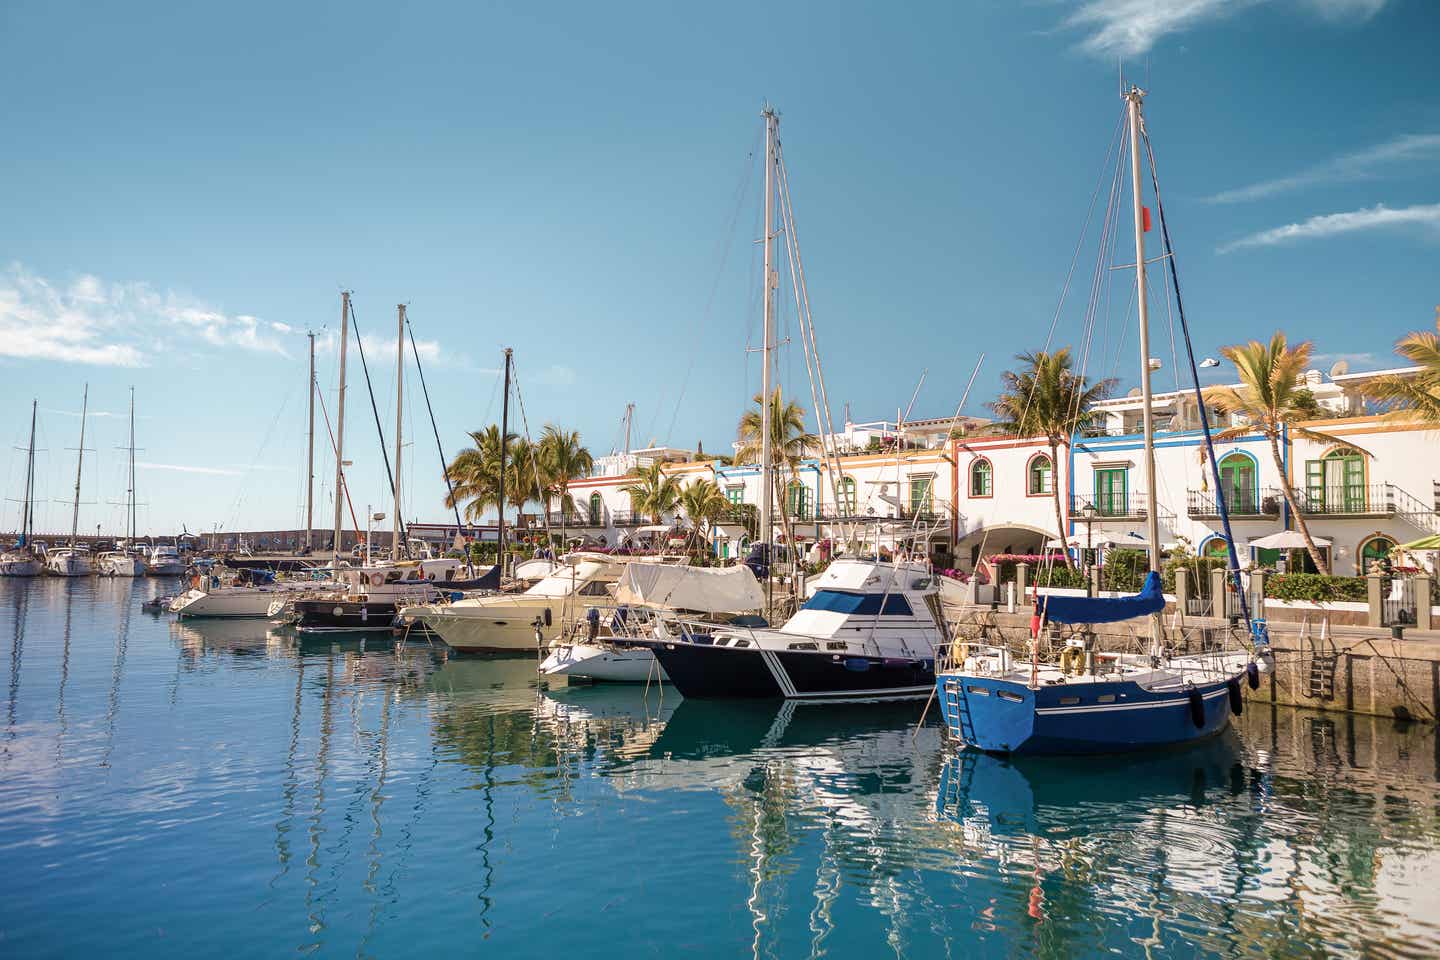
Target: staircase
1413,510
1322,676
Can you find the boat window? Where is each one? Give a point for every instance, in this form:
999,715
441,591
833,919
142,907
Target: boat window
803,646
595,588
835,644
1007,695
978,691
1069,701
1105,698
741,643
859,604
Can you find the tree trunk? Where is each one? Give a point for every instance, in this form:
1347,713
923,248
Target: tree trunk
1055,490
1289,492
564,515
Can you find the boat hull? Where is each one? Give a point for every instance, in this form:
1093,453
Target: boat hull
1007,717
607,664
165,569
68,566
120,567
19,567
493,628
711,672
236,604
343,616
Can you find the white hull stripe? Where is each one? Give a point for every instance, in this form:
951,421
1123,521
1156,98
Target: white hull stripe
1106,707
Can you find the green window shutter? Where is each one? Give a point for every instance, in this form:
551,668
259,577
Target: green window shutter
1315,481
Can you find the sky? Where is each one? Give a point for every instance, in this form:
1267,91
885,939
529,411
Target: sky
188,187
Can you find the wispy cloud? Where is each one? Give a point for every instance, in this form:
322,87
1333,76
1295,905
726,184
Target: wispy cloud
1333,224
183,468
1132,27
556,375
90,321
1361,165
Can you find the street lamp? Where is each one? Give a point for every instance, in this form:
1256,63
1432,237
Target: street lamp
1088,511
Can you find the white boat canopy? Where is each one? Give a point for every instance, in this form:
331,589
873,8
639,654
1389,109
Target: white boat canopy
704,589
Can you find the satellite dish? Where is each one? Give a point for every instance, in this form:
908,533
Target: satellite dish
1339,369
1134,392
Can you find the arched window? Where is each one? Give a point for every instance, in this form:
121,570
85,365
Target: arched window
1336,482
1238,484
845,497
797,501
1040,480
597,510
1373,551
981,478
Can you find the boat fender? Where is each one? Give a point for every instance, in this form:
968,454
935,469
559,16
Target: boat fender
1197,708
1237,704
1252,675
547,616
857,664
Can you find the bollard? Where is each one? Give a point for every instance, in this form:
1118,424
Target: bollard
1182,592
1257,594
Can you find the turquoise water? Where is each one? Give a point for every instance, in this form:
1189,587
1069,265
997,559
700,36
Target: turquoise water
214,788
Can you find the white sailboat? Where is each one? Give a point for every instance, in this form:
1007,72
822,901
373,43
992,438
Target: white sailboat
22,560
74,560
123,563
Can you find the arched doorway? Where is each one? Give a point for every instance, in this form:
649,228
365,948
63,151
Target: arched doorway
1238,484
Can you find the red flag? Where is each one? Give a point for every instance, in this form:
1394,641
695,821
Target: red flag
1145,217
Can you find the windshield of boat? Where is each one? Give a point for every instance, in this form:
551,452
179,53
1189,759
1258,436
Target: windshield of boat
565,581
837,601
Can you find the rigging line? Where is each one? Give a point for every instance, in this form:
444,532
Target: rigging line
726,245
1199,394
264,442
823,421
439,447
344,481
389,475
534,460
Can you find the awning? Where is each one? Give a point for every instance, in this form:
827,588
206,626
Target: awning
704,589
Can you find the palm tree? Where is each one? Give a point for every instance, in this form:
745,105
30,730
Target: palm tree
1413,398
1267,403
704,503
652,491
563,459
789,443
1047,398
475,472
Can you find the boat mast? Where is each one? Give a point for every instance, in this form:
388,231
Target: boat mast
772,124
79,464
397,546
310,455
504,450
27,510
1152,519
130,534
340,429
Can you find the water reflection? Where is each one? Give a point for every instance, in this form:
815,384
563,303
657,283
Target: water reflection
372,796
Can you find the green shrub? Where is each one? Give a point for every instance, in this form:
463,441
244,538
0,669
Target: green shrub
1124,570
1060,576
1315,587
1199,568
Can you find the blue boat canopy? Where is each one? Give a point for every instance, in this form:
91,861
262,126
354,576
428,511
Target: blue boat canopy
1150,599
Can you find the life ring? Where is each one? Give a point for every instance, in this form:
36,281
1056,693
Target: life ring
376,579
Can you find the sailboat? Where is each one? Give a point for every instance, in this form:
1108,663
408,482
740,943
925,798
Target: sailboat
1091,702
868,632
124,563
74,560
22,560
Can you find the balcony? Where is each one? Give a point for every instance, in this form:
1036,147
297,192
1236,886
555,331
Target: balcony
1131,507
1241,504
1351,500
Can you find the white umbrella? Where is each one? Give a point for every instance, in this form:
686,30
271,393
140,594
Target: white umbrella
1286,540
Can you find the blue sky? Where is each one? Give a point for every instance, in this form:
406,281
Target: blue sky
187,188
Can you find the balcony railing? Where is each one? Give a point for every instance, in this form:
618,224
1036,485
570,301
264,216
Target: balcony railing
1132,506
1204,505
1349,500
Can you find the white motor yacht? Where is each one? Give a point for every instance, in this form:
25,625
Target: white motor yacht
507,621
119,563
249,593
69,562
165,561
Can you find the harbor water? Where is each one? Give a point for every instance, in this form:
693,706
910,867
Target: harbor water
219,788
